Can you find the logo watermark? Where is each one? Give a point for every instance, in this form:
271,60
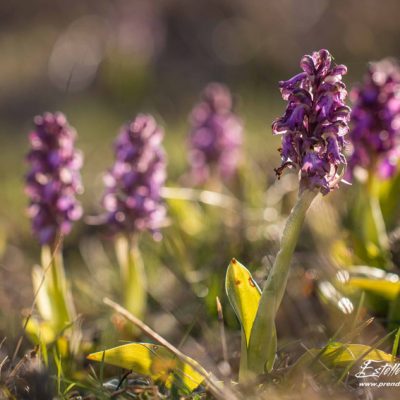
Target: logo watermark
379,374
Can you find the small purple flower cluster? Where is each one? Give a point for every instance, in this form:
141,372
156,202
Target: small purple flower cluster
315,122
54,177
216,135
132,197
375,120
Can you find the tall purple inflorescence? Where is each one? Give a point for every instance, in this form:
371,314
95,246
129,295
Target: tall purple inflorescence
315,122
375,120
216,135
54,177
133,185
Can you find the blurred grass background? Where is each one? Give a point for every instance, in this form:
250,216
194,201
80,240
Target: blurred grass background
101,62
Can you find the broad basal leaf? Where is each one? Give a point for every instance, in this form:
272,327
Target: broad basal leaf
154,361
56,304
244,295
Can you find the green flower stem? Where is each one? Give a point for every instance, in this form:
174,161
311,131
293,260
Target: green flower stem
133,276
263,342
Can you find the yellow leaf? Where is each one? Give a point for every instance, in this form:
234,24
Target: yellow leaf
154,361
40,332
341,355
244,295
382,287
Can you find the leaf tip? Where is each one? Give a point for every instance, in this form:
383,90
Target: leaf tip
95,356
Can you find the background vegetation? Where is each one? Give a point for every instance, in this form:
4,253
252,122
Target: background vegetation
101,62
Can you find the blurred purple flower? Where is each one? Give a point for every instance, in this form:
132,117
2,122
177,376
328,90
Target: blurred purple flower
216,135
375,128
315,122
132,197
54,177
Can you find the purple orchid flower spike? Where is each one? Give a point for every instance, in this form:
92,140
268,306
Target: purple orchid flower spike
216,135
375,120
54,177
315,122
132,197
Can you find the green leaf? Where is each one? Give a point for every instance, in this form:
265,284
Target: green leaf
154,361
53,297
395,346
367,225
43,301
243,294
58,288
388,196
